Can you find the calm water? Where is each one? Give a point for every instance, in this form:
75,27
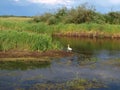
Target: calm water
92,60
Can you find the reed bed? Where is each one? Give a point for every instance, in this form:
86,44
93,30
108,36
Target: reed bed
26,41
89,30
27,25
23,33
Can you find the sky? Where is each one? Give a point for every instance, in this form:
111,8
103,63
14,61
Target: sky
38,7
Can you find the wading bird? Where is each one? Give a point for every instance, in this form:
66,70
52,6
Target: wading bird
69,49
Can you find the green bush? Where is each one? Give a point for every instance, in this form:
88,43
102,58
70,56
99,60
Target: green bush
113,17
51,20
42,18
81,14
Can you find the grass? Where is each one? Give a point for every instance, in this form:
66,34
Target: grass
88,30
26,24
23,33
26,41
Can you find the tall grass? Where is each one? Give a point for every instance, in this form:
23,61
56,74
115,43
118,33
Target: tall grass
88,30
84,29
88,27
27,25
22,33
26,41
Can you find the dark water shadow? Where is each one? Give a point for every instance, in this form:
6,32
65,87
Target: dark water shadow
23,65
101,48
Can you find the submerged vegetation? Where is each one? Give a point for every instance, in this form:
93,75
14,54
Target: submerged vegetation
76,84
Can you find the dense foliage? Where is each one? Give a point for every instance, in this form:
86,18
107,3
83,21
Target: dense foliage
35,33
26,41
81,14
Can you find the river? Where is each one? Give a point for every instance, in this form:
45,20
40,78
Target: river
96,59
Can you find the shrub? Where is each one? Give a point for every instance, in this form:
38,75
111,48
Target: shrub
51,20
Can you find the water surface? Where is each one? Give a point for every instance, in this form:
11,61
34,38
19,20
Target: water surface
93,59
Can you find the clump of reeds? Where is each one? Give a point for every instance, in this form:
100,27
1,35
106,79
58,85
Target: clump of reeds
90,30
26,41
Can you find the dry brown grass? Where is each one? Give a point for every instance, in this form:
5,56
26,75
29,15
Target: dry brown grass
14,55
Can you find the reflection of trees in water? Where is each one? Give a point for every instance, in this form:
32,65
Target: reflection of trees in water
85,44
91,47
23,65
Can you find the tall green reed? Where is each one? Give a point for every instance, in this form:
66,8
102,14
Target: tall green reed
26,41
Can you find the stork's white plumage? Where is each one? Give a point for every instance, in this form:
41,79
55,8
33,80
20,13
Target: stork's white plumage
68,48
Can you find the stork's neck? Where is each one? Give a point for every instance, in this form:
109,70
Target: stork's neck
68,46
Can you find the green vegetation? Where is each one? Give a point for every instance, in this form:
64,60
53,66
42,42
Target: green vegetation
22,33
82,21
77,84
90,29
35,33
22,65
26,41
81,14
90,45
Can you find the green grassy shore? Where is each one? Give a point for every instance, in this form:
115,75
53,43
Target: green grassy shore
19,33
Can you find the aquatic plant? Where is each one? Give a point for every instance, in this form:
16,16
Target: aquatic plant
80,84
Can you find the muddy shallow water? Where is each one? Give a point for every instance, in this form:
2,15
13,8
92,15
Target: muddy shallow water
93,60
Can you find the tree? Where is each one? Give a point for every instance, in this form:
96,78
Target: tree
113,17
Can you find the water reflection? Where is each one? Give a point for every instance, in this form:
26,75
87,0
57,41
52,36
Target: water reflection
93,59
23,65
100,48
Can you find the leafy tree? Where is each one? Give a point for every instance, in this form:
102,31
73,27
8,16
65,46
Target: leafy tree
42,18
113,17
61,12
98,18
81,14
51,20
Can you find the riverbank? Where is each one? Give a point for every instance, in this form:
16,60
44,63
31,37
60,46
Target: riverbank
14,55
84,29
99,35
24,34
